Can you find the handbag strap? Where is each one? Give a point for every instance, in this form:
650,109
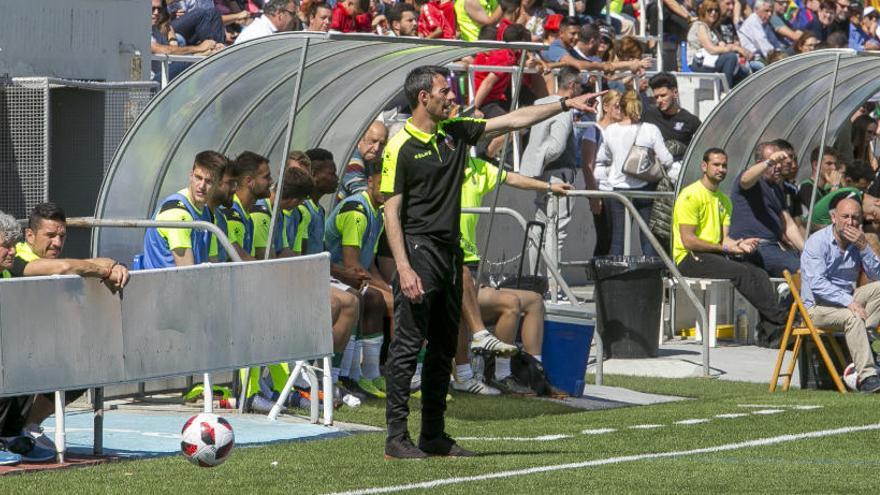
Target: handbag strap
636,138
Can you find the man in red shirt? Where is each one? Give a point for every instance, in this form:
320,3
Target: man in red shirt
345,16
510,9
433,23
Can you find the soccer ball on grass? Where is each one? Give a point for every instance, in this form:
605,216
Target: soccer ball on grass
207,440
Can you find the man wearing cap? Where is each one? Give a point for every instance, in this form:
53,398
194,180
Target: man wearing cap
862,34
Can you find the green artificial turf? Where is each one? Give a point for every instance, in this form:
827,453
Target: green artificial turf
842,463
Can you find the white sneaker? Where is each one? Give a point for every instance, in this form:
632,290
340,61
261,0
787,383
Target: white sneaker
474,386
491,345
39,437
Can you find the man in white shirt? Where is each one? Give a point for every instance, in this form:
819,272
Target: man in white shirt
756,35
278,16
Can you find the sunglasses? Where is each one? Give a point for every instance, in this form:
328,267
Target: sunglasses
713,11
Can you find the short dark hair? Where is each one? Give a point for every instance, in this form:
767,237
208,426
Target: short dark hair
247,163
713,151
45,211
214,162
829,151
271,7
759,151
568,22
859,169
421,79
783,145
589,32
363,5
298,184
828,5
663,80
516,32
313,9
836,39
395,13
509,5
319,155
488,33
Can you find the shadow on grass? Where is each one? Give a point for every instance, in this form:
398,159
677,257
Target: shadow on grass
473,408
498,453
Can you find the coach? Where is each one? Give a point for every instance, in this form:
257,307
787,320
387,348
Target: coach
423,167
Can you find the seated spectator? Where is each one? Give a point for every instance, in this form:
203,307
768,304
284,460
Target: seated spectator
367,153
821,25
619,138
702,246
830,266
729,20
785,31
234,16
279,16
707,53
862,29
759,212
471,15
855,185
163,41
402,20
830,176
836,40
319,16
840,24
195,23
504,306
433,22
756,35
168,247
806,43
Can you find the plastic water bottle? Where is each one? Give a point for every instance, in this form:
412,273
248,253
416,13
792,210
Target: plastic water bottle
742,327
682,57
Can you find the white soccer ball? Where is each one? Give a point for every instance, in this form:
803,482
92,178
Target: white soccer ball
851,377
207,440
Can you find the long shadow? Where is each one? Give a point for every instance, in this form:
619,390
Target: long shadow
471,410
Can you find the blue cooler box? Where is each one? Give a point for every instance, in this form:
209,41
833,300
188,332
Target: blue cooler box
568,334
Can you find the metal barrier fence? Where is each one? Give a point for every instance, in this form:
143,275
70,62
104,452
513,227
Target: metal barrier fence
40,126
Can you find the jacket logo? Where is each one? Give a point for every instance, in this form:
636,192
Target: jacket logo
422,155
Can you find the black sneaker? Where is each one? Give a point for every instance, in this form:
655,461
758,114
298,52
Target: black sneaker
443,445
348,386
509,386
870,385
402,448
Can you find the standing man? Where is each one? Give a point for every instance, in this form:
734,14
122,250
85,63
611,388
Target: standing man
677,125
422,174
167,247
830,266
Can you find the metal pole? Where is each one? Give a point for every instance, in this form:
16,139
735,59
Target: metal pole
208,393
822,145
60,439
608,11
328,392
571,11
553,248
515,96
285,392
98,421
660,16
627,232
291,118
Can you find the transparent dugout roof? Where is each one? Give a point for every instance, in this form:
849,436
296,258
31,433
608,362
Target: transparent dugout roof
787,100
239,99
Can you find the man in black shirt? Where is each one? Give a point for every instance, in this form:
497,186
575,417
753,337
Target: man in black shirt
423,168
677,125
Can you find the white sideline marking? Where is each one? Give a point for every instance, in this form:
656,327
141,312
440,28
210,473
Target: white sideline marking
768,411
694,421
761,442
544,438
804,407
599,431
731,415
645,427
807,408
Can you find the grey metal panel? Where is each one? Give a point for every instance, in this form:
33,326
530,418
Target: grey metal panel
69,332
55,331
237,100
785,100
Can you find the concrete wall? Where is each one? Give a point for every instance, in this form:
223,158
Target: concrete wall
76,39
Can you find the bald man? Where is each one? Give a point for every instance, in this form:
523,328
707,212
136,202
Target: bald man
368,153
830,265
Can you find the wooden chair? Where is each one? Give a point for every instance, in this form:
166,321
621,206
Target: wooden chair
799,332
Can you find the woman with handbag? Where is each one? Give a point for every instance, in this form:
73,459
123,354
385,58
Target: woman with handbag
635,159
707,53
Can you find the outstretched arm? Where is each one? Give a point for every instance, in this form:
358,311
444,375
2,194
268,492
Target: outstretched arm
528,116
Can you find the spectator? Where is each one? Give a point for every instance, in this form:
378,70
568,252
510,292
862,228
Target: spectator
433,23
785,31
510,10
756,35
254,181
196,23
677,125
219,201
840,24
163,41
862,29
822,24
503,306
856,182
830,176
402,20
551,155
702,245
532,15
619,139
590,143
352,237
320,15
707,53
345,14
367,153
676,18
759,212
831,262
168,247
561,52
279,16
472,15
806,43
729,20
837,39
789,175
